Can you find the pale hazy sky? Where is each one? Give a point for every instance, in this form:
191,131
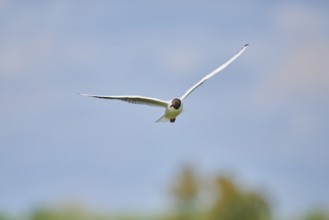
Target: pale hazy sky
265,118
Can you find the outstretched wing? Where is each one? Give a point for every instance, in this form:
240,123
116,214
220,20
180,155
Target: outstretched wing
217,70
134,99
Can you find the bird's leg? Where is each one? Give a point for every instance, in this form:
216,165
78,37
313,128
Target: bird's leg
172,120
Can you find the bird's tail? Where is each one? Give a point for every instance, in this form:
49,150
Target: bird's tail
163,119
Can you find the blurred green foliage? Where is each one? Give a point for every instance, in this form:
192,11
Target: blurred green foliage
2,217
225,201
316,215
234,204
229,203
185,192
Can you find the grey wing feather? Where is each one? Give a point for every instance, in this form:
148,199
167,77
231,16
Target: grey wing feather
134,100
217,70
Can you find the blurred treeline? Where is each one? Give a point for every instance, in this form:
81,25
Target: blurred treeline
194,198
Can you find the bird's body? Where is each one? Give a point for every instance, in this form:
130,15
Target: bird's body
173,107
172,111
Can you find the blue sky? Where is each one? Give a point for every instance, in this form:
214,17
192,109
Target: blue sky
264,119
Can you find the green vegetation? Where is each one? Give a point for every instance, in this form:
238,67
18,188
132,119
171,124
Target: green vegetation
225,200
316,215
228,202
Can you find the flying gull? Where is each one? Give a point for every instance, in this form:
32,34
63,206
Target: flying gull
174,106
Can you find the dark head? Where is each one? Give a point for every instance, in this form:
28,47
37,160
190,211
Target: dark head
176,103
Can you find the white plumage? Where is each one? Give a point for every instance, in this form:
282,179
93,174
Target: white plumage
172,107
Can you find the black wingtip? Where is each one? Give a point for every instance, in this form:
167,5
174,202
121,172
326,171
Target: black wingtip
246,45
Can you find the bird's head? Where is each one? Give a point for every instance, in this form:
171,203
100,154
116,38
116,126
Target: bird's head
176,103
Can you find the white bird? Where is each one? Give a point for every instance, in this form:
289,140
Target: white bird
172,107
